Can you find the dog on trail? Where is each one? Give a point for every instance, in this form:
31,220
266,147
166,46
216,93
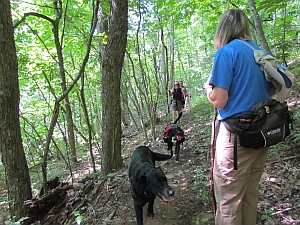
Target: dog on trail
173,134
147,181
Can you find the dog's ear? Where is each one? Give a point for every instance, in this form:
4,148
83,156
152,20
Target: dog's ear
143,179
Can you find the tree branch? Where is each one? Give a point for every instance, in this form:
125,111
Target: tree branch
33,14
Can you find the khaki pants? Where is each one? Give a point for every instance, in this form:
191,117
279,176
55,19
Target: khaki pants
236,191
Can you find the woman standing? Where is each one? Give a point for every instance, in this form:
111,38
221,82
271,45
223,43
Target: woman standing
237,83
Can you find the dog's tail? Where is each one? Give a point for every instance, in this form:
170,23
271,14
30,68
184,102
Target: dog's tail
160,157
178,118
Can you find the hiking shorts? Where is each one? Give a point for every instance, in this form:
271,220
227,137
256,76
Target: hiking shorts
176,105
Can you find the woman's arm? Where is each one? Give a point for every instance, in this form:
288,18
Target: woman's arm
217,96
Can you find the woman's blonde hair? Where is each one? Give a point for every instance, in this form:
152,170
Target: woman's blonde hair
232,24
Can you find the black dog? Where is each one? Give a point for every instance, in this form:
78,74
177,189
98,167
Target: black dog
147,181
173,134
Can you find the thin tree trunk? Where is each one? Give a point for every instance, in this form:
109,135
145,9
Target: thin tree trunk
82,93
70,127
258,27
125,104
134,96
164,69
172,55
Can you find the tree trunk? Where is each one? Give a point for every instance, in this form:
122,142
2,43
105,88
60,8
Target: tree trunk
112,62
258,27
164,70
11,148
70,124
172,55
125,110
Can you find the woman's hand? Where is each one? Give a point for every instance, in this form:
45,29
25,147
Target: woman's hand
207,87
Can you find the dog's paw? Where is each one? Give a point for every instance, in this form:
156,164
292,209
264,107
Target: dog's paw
150,215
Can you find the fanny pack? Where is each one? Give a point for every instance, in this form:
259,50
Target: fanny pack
267,124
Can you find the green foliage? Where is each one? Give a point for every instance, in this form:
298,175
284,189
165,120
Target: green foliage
203,109
267,211
79,218
40,81
96,175
19,222
272,5
202,183
296,121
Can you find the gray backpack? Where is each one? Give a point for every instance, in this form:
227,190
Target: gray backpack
273,72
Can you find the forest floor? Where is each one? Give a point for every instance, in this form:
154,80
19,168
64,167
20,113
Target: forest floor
108,201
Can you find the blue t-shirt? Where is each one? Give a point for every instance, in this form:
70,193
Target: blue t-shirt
235,70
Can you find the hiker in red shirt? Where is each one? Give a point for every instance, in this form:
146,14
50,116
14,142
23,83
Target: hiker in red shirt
185,93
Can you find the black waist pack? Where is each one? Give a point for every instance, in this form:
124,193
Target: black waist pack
267,124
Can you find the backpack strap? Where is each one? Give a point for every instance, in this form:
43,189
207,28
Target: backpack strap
246,44
273,72
235,152
230,125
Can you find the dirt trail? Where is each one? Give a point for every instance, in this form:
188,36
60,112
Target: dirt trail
189,178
